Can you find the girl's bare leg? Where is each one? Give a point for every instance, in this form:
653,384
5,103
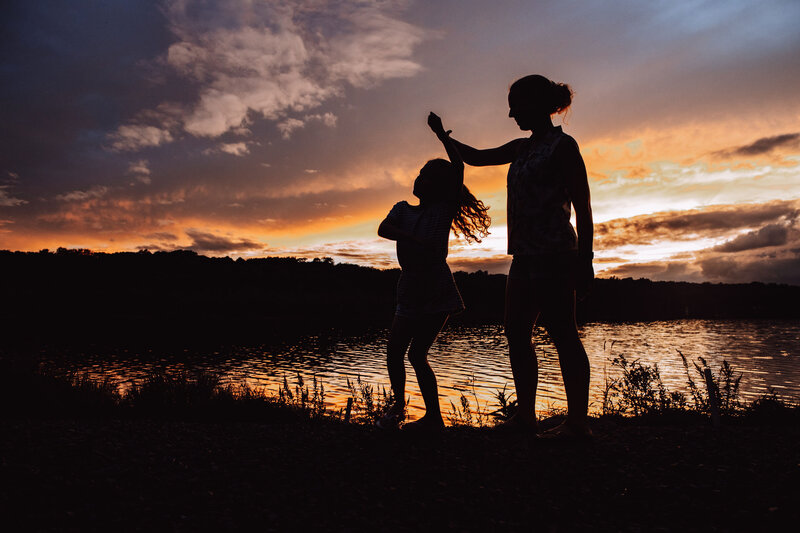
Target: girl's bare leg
399,339
425,332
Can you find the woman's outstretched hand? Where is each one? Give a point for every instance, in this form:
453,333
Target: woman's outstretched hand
435,123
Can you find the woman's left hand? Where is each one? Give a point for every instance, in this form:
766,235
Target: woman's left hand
585,279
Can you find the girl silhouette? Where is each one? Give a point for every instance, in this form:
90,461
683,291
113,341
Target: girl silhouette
426,292
550,261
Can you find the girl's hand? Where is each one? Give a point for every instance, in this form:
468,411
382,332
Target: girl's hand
435,123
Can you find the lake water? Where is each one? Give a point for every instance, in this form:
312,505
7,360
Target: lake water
474,360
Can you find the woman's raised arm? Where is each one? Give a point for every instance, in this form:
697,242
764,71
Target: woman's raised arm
502,155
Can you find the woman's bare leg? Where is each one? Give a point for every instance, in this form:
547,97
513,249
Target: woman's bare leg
425,333
520,316
559,320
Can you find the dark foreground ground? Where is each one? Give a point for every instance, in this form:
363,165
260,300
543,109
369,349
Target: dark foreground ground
147,475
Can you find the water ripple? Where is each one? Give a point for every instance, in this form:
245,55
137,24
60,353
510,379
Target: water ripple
474,360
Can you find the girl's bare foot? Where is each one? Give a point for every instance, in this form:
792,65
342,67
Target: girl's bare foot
427,424
392,418
569,430
518,423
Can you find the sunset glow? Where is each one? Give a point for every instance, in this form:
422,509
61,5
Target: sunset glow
290,128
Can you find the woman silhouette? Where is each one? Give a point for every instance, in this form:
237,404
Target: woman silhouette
550,261
426,292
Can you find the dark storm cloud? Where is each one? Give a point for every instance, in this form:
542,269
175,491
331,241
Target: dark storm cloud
496,264
721,269
162,236
369,253
769,235
208,242
656,271
603,259
691,224
746,269
762,146
768,254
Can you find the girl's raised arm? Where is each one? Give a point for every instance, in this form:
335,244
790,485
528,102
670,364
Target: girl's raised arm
453,154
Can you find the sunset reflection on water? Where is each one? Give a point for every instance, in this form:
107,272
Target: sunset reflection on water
473,360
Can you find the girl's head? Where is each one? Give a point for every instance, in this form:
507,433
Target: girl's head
437,178
534,97
438,181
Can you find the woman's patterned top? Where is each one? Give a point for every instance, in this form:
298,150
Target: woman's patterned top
539,205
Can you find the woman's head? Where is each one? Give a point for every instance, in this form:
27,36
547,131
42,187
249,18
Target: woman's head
534,98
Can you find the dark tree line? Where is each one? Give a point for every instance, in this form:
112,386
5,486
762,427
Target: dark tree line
78,293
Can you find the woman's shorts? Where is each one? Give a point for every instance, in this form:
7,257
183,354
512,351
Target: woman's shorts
547,266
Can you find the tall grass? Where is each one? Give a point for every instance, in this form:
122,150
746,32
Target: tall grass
367,406
464,414
637,389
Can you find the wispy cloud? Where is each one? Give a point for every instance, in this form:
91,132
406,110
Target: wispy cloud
270,60
79,196
140,170
238,149
131,137
6,200
289,125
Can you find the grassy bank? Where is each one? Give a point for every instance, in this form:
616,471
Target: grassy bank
637,392
189,453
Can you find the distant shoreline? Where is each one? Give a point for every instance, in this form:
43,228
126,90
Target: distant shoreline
177,295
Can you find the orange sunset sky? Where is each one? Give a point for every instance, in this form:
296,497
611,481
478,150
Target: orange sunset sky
249,128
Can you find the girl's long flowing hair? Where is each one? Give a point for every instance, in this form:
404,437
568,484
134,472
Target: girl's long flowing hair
471,220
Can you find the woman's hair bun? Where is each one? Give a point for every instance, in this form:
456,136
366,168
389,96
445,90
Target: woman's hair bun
562,97
554,97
